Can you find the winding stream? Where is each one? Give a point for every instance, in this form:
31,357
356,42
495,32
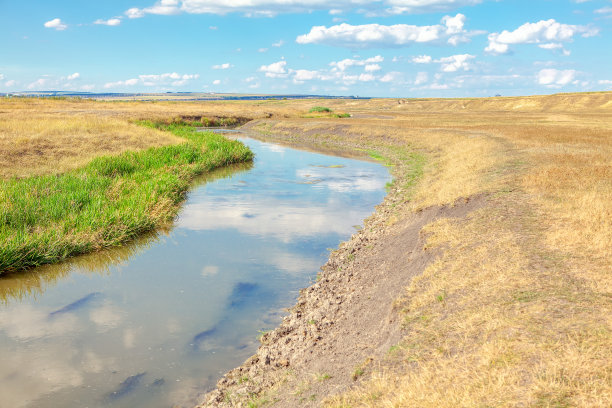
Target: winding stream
157,322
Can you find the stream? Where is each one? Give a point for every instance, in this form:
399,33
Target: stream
157,322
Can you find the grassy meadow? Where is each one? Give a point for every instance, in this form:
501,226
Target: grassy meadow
45,218
515,311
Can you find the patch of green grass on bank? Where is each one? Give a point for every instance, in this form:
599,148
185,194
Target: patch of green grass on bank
45,219
412,162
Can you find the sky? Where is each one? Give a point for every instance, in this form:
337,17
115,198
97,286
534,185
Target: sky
375,48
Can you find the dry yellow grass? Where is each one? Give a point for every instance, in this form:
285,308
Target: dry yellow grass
516,311
41,136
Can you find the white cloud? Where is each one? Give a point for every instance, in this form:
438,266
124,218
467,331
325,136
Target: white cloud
226,65
1,77
275,70
426,6
544,32
555,78
166,79
305,75
452,63
11,82
366,77
109,22
456,62
422,59
74,76
348,62
39,83
262,50
376,35
216,82
162,7
605,82
604,10
278,44
88,87
268,8
551,46
372,67
57,24
421,78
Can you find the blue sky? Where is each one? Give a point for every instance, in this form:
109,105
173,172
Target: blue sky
409,48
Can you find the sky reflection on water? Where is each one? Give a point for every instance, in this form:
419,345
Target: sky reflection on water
157,322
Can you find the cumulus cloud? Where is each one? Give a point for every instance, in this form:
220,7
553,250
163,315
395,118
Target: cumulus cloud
390,77
422,59
110,22
452,63
166,79
57,24
555,78
270,8
338,71
216,82
1,77
163,7
451,31
548,34
275,70
227,65
348,62
10,82
76,75
456,62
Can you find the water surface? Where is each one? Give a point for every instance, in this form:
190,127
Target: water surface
157,322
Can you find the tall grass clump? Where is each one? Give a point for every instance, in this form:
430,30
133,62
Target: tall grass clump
44,219
321,109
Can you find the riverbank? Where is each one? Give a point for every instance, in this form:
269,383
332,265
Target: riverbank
486,282
47,218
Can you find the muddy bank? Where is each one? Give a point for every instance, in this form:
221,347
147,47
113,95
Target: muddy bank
346,323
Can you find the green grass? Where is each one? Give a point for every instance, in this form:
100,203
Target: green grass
45,219
320,109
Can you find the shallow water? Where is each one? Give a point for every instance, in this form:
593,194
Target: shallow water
157,322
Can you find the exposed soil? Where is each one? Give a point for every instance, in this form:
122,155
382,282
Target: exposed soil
345,324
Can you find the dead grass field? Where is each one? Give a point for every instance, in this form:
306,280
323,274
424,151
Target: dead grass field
516,312
517,309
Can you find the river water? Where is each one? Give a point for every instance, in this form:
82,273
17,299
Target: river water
157,322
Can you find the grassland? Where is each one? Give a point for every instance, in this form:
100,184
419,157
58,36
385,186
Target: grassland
516,309
112,199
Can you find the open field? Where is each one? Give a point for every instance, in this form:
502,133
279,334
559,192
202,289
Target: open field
510,305
512,310
45,218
